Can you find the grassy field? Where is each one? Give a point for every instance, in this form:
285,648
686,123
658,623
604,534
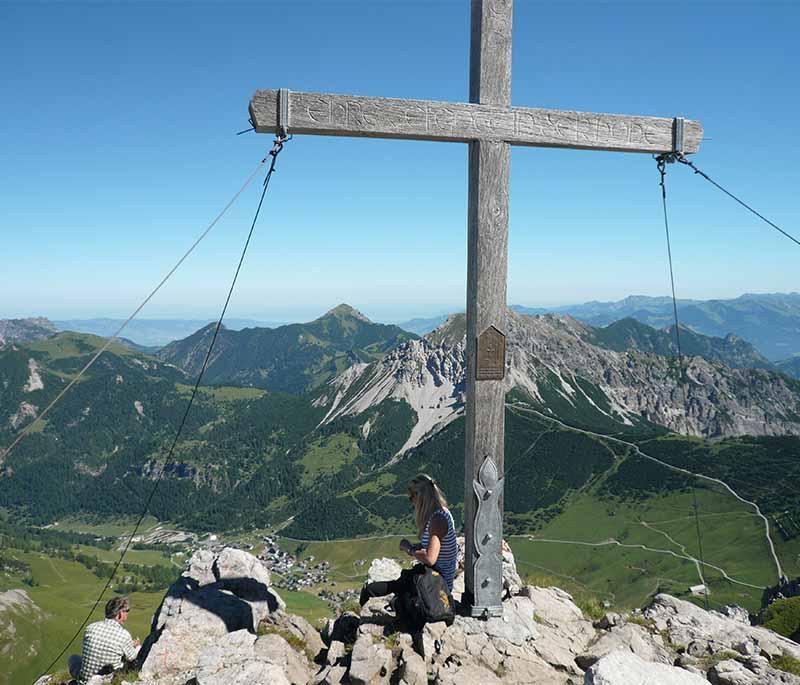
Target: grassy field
307,605
732,539
107,528
326,455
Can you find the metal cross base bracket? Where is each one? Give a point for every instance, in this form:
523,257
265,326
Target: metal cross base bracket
488,565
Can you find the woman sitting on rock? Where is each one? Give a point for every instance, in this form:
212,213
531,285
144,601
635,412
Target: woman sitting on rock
437,547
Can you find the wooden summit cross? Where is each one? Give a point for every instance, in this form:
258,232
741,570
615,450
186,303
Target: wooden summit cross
490,125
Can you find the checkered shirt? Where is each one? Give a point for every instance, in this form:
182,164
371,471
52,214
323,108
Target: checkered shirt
105,643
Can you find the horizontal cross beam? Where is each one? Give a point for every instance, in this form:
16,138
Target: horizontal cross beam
351,115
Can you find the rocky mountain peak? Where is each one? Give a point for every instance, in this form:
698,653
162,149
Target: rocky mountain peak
605,376
345,311
25,330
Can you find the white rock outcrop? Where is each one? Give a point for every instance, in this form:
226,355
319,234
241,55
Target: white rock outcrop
625,668
710,632
383,569
218,595
221,624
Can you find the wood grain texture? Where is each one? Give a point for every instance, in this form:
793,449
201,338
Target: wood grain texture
487,275
490,52
358,116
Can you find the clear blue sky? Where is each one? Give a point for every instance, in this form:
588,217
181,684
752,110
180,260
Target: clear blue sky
117,146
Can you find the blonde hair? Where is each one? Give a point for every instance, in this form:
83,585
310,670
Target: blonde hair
427,499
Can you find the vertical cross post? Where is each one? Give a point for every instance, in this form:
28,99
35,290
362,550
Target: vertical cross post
487,267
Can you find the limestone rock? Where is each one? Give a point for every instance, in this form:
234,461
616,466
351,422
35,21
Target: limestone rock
731,672
336,654
494,650
458,587
300,628
625,668
512,583
608,620
471,675
383,569
208,601
737,613
378,610
753,671
200,567
563,631
371,662
327,631
411,666
330,675
232,564
687,623
631,637
240,658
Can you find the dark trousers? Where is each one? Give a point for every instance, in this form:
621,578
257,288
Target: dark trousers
397,587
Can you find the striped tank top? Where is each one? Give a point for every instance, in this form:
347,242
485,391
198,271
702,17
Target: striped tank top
448,554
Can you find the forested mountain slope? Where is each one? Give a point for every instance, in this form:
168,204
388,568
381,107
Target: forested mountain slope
293,358
332,463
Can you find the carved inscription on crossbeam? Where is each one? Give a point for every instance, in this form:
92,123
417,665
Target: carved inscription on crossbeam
349,115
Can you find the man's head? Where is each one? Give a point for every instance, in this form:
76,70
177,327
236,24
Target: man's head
117,609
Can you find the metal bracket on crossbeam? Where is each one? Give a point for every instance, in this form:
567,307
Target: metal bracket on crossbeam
678,135
283,113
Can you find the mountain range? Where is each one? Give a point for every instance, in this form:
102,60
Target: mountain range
153,333
771,322
293,358
299,418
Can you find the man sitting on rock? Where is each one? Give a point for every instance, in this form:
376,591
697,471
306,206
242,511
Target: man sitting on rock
107,646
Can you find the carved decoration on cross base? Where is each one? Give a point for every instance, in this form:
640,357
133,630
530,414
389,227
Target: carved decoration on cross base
488,565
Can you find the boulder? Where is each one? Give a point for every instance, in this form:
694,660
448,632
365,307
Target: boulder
241,658
383,569
378,610
754,670
336,654
608,620
623,667
210,600
736,612
563,631
731,672
713,631
330,675
371,662
630,637
501,649
298,627
512,583
411,666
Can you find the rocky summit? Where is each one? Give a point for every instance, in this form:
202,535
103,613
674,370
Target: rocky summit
222,623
